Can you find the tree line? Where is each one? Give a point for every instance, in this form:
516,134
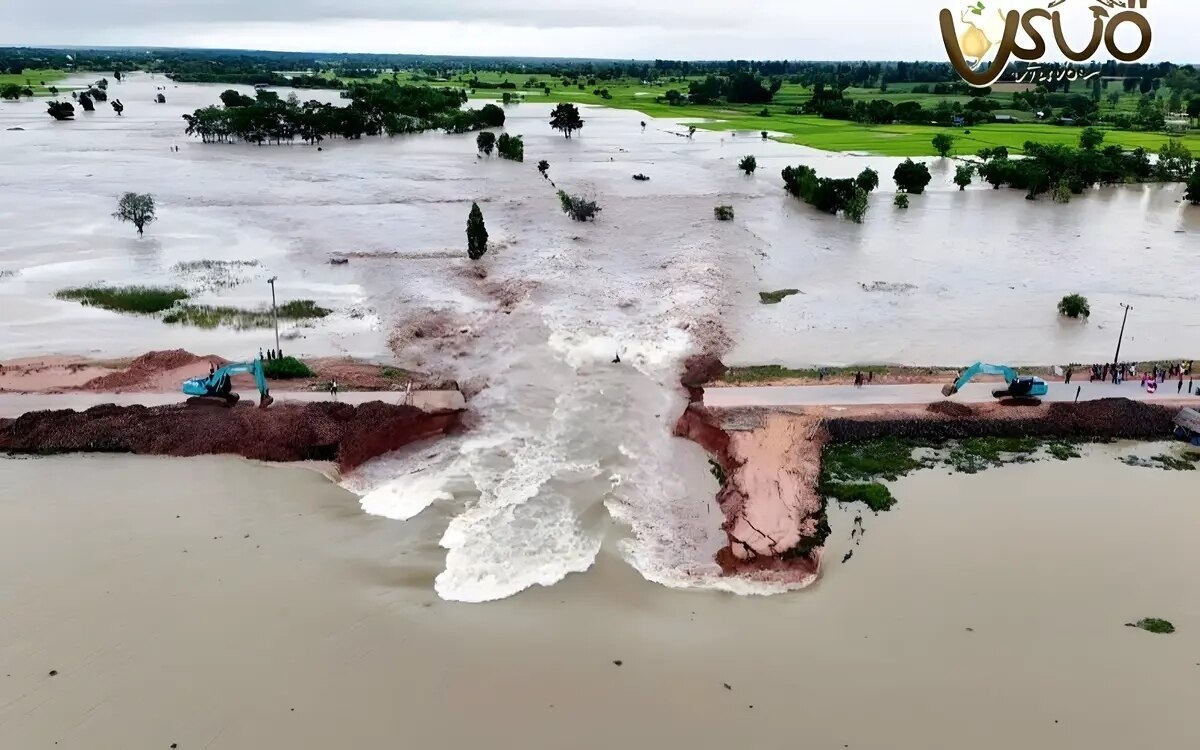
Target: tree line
374,109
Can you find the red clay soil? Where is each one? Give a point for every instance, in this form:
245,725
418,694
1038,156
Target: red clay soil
146,367
349,435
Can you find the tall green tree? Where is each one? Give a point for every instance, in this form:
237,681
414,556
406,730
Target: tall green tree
61,110
1091,138
962,176
485,142
477,235
943,142
912,177
136,209
565,118
1192,195
868,179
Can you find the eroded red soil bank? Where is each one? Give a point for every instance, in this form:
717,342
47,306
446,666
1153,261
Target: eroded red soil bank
327,431
771,459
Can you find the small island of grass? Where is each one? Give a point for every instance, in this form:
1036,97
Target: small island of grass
774,298
1153,625
129,299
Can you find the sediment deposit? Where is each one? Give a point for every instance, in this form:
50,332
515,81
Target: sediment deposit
326,431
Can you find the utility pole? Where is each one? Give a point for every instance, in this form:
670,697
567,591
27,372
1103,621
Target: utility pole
1120,337
275,313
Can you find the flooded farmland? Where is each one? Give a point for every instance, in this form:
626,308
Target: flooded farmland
567,440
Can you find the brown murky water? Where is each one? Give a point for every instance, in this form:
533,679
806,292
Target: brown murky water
567,440
985,612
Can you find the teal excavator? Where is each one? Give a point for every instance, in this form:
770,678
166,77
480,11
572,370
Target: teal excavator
1016,386
217,388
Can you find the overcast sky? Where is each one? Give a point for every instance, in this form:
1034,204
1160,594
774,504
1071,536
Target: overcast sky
645,29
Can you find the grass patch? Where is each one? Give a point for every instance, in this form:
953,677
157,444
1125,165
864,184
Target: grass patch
1062,451
200,266
774,298
768,373
888,458
810,130
287,368
1153,625
130,299
1167,462
38,79
210,316
852,472
394,373
973,455
874,495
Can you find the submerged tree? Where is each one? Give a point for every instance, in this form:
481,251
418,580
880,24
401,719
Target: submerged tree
161,99
577,208
943,142
136,209
901,200
485,142
962,175
748,164
1074,306
544,167
565,118
868,179
1192,194
912,177
118,107
477,236
61,110
85,101
511,147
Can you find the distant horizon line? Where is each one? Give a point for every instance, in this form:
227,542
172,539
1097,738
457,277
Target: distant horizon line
148,48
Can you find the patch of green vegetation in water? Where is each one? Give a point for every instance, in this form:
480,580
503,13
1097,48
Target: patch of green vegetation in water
129,299
774,298
874,495
717,472
852,472
1184,462
1153,625
208,316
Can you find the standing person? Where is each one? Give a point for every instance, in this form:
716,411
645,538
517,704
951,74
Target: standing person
1069,373
333,388
871,377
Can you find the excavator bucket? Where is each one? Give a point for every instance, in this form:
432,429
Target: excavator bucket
264,401
949,390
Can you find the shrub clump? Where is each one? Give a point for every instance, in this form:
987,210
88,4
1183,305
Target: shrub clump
774,298
577,208
511,147
723,213
286,368
210,316
1074,306
1153,625
131,299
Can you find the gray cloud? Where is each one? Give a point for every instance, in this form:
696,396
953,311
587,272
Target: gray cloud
699,29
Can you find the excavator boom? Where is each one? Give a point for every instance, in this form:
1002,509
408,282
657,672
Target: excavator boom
1015,385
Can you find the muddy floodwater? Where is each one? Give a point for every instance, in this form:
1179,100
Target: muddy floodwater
567,441
255,606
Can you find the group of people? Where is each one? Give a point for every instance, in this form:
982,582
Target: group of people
1151,378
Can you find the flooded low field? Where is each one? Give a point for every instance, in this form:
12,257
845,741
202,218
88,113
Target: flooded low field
256,606
567,440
